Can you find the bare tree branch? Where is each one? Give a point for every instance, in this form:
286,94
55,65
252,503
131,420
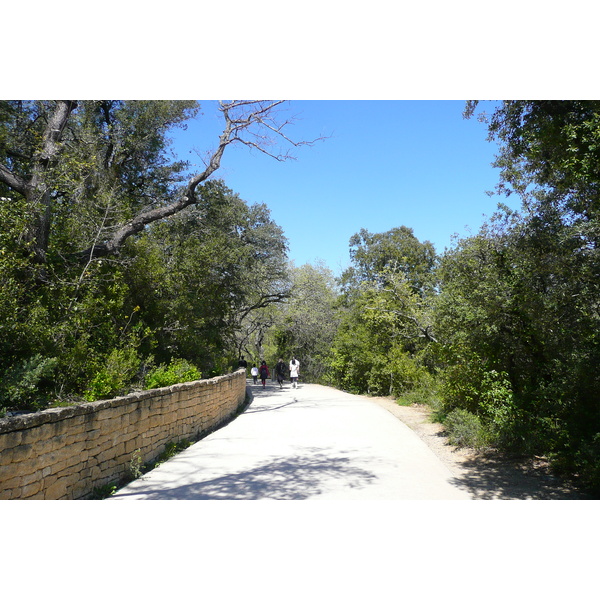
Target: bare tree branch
242,118
264,301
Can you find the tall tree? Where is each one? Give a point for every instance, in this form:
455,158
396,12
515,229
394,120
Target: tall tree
116,145
199,276
385,308
397,249
86,184
306,324
531,310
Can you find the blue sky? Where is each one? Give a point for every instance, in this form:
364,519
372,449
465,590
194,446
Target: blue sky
384,164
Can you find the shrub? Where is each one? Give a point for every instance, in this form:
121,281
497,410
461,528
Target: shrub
586,463
115,376
394,373
464,429
177,371
22,384
426,391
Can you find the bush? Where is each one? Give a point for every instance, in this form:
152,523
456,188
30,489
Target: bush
21,386
395,373
464,429
177,371
426,391
115,377
586,463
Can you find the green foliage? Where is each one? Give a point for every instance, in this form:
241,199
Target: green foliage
22,385
517,314
426,391
184,286
177,371
385,317
136,464
586,463
104,491
397,249
201,276
115,376
395,373
304,325
171,450
464,429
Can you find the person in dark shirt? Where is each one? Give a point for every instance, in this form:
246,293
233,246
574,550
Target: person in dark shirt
280,372
263,371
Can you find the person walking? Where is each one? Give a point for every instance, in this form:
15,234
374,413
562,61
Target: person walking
242,364
254,373
294,371
280,372
264,372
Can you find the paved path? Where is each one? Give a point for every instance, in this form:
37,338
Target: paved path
309,443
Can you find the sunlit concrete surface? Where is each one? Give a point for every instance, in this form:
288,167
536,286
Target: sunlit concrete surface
309,443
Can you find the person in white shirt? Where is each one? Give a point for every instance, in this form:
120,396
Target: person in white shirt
294,371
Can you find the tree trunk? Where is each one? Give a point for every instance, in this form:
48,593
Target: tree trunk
37,191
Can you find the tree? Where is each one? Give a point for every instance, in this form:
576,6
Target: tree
548,143
385,313
305,325
200,276
113,144
531,312
87,186
397,249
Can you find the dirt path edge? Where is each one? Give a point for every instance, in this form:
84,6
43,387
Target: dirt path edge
486,475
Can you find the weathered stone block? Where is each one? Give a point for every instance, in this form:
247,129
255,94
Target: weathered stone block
6,456
10,440
31,489
23,452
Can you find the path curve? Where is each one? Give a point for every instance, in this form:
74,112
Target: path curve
309,443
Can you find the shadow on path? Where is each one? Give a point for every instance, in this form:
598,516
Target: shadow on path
256,409
271,389
294,478
491,477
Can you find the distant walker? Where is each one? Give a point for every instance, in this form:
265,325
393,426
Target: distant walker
294,371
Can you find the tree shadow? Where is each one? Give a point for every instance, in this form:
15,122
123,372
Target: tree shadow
256,409
293,478
271,388
494,477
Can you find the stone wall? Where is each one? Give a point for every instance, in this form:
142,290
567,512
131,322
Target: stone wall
64,453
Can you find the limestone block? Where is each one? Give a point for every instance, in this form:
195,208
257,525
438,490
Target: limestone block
59,489
46,446
113,451
10,440
6,456
23,452
155,421
7,493
131,446
31,489
55,456
12,470
12,482
77,459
